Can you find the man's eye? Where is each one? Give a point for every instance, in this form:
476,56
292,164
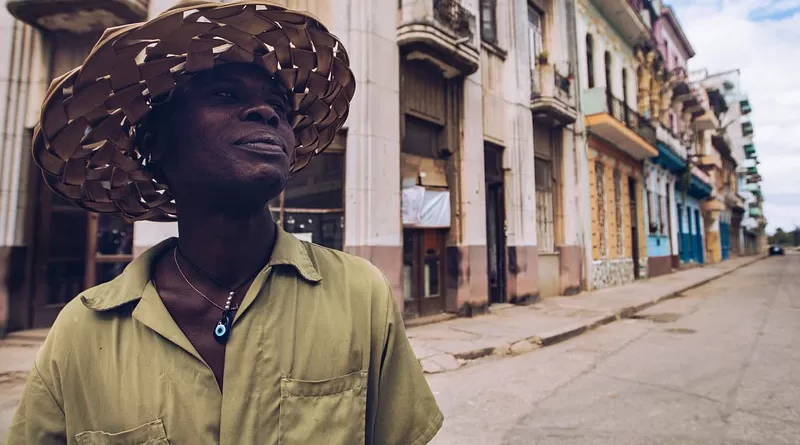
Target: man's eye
224,93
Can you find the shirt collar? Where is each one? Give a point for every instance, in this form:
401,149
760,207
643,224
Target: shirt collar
130,284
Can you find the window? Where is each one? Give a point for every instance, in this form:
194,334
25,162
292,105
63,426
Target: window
590,60
489,21
625,87
618,210
312,205
600,172
421,138
545,205
607,62
652,214
657,212
535,33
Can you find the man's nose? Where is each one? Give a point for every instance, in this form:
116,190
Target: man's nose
262,113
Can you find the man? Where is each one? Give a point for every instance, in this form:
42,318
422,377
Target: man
236,332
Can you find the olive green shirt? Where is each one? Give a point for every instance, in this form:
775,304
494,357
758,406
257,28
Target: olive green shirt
318,355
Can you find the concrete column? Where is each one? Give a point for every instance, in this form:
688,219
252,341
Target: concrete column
520,192
22,87
575,189
468,250
372,183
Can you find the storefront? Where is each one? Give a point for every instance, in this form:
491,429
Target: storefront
426,132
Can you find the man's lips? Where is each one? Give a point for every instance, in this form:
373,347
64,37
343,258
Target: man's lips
261,141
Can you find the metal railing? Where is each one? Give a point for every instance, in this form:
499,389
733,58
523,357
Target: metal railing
631,119
457,18
562,82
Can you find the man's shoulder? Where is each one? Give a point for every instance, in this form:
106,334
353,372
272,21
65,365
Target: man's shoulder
75,327
335,262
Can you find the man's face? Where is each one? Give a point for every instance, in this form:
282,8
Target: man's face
227,133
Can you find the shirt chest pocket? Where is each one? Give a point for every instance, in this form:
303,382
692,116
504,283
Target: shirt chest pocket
328,411
151,433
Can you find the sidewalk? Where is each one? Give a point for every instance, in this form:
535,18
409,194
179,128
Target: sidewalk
508,330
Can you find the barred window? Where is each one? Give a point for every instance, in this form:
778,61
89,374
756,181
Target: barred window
600,172
545,207
618,209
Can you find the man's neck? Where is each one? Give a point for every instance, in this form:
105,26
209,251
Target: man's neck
230,249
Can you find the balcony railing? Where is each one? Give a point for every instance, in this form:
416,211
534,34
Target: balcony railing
457,18
562,82
623,113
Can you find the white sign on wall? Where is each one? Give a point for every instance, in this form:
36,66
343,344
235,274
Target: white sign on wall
305,236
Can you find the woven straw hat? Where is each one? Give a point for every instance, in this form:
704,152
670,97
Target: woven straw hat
84,143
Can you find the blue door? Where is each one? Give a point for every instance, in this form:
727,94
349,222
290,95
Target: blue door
683,247
698,251
725,239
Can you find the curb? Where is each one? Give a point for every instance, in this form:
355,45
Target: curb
571,331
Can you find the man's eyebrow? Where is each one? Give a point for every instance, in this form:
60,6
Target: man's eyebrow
224,78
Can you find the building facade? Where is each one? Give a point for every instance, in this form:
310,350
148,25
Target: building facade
743,195
458,172
618,138
495,152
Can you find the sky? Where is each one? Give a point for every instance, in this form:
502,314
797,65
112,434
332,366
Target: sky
762,39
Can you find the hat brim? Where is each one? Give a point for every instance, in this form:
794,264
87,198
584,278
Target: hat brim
84,143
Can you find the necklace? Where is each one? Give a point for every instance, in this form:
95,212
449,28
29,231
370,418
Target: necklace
224,326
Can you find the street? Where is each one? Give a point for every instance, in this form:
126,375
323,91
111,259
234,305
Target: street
719,365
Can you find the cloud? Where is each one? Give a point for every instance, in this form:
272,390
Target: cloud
762,39
776,10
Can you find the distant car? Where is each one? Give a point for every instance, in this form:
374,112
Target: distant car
776,250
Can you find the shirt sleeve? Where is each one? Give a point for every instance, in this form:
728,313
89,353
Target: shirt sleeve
39,418
401,409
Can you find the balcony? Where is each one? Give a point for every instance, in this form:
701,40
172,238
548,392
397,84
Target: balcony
751,171
750,151
612,120
671,140
747,129
755,179
733,200
625,18
710,160
681,88
439,31
671,151
78,16
703,113
722,143
755,190
552,95
755,212
744,106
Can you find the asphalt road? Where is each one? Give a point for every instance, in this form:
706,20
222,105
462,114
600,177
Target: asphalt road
720,365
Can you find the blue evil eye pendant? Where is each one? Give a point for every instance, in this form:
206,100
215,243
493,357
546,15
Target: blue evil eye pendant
223,329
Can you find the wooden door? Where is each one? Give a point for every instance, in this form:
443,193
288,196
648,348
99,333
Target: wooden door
423,272
59,255
73,250
632,185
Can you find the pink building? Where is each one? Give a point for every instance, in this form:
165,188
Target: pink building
676,50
